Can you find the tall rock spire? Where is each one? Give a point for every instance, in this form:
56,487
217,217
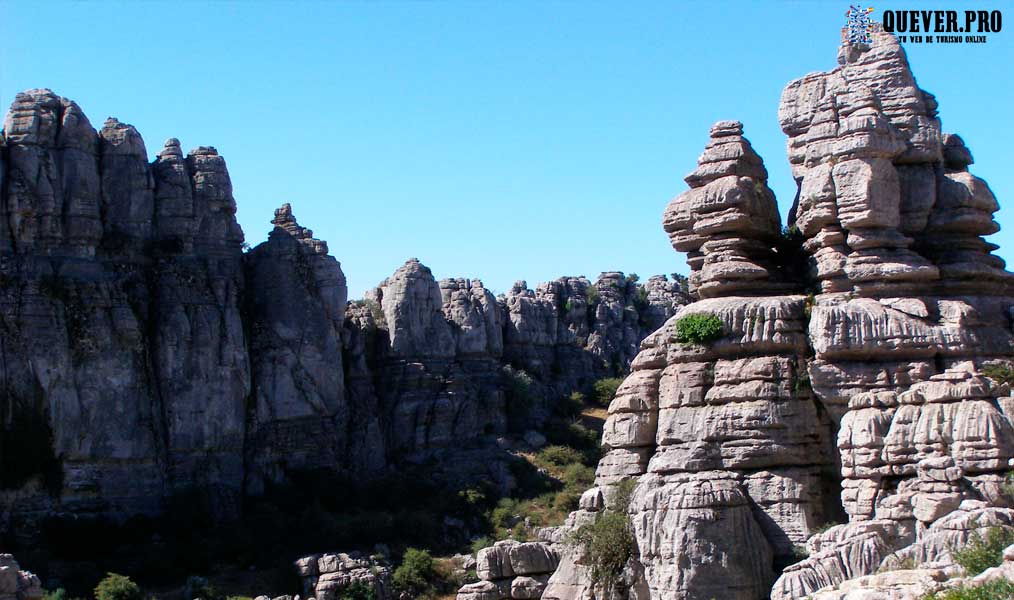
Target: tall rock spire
727,223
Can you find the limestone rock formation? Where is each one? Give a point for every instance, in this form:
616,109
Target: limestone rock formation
145,357
327,576
728,221
510,569
297,310
864,402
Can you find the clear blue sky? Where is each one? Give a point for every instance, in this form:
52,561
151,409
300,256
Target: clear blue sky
500,140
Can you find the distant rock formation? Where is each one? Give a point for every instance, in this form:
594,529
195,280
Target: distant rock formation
144,355
16,584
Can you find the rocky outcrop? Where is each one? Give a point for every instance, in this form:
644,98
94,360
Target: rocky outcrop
864,400
16,584
145,356
727,222
570,332
510,569
299,411
330,576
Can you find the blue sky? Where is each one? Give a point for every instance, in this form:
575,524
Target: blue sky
499,140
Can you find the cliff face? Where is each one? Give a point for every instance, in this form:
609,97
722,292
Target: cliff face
861,402
144,355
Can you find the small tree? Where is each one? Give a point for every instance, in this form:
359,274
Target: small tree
117,587
357,590
605,390
416,573
608,541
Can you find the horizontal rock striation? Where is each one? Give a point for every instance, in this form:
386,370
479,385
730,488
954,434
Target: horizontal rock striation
853,391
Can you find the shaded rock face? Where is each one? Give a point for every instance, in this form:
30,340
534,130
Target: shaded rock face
124,359
864,402
571,331
145,356
435,351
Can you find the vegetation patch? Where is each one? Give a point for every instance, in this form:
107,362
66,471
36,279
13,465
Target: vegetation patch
117,587
608,541
699,328
1007,487
604,390
998,589
518,396
416,573
1000,373
981,554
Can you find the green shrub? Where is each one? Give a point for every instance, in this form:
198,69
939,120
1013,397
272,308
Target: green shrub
608,541
358,590
57,594
1000,373
518,397
605,390
575,435
998,589
480,543
117,587
505,513
578,476
416,574
682,282
200,587
591,294
699,328
570,406
1007,487
566,501
981,554
560,455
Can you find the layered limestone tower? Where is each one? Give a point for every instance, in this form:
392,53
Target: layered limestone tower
727,223
862,403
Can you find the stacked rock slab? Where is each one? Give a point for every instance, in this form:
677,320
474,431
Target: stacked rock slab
865,401
511,569
329,576
725,440
903,327
728,221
